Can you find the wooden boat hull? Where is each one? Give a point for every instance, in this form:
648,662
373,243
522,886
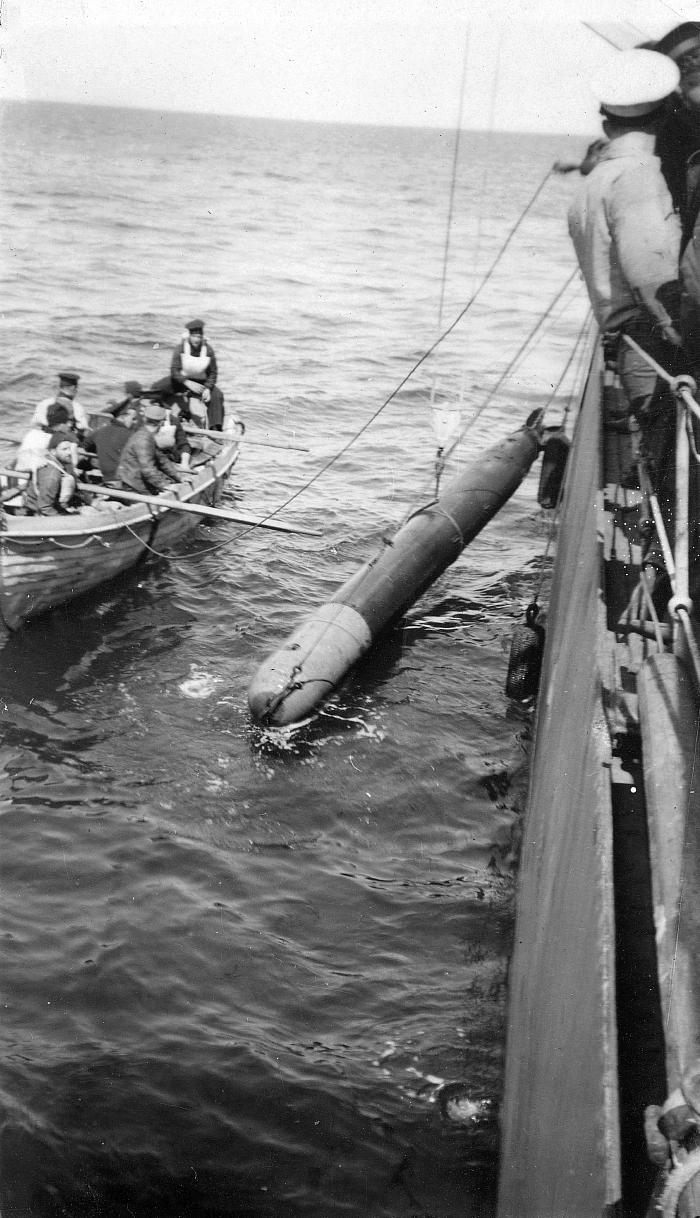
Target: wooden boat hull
47,561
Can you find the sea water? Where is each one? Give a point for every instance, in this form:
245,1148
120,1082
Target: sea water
248,973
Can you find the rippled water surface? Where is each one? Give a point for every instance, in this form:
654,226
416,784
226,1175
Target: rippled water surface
247,973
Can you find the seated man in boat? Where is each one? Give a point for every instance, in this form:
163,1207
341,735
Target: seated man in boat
627,238
35,444
107,442
193,367
171,437
143,467
66,396
52,489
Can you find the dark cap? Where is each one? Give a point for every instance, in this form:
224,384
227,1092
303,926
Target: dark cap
679,40
197,324
116,408
58,437
133,389
69,378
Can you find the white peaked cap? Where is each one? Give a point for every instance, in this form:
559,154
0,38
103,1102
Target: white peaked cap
635,82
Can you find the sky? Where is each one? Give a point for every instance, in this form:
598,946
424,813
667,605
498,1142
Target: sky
358,61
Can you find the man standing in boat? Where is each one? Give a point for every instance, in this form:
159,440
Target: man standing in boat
627,241
144,467
193,368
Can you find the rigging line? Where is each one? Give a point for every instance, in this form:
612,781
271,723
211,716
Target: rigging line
453,181
419,362
579,346
576,354
523,346
415,366
495,86
583,362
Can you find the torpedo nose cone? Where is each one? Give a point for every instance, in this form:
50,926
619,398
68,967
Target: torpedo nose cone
290,684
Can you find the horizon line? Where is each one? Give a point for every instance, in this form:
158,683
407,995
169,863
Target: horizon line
269,118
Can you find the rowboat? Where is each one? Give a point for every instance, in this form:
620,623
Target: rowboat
601,1103
46,561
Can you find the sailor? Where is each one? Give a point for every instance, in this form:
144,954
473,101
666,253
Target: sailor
66,395
678,146
143,466
53,486
107,442
35,443
193,366
627,240
171,435
679,134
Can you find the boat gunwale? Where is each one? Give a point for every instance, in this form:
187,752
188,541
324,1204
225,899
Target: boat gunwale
130,516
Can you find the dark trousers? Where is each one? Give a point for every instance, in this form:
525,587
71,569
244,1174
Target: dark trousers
653,406
215,405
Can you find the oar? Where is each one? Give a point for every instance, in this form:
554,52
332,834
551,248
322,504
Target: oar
222,437
214,435
196,509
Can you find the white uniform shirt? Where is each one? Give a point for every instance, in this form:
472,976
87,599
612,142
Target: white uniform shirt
625,232
33,450
79,414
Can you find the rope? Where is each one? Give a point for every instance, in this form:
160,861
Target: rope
29,542
578,353
418,363
523,346
453,182
448,230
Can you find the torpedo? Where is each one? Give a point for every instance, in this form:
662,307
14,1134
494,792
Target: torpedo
309,665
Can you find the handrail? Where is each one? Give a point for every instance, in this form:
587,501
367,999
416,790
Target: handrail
677,562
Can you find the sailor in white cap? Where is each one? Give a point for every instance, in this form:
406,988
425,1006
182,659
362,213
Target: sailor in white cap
621,217
627,240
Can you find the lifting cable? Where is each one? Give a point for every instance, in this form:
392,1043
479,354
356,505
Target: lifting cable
415,366
541,320
509,368
442,439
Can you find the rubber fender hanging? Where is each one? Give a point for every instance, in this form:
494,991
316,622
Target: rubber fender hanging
526,650
555,453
